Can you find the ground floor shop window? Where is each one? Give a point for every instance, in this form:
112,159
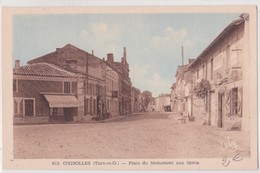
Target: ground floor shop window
56,111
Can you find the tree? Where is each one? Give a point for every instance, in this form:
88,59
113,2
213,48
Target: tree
202,88
147,98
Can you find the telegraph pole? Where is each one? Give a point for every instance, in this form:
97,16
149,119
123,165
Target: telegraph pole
182,57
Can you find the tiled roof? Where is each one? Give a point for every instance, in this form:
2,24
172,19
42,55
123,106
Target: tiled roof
44,69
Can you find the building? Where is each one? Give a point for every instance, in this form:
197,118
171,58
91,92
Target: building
162,101
44,93
182,90
125,85
224,63
112,86
136,100
173,98
81,62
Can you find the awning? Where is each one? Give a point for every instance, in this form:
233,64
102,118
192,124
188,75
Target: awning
62,101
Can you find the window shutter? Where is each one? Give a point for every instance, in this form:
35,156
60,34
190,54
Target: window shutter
239,101
228,103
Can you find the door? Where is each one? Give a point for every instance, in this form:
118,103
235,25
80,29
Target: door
68,114
29,107
209,107
220,109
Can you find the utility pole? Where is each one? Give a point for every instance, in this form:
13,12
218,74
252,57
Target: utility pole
87,73
182,56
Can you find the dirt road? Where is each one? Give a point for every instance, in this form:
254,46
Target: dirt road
146,135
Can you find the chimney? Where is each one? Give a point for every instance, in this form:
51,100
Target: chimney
124,52
92,52
110,58
17,64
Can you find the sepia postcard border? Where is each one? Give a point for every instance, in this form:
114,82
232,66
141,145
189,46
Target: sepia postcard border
207,163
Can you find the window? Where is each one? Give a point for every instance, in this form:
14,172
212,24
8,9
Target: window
204,72
67,87
234,101
29,107
56,111
211,69
108,105
197,73
228,56
15,85
90,88
86,104
90,106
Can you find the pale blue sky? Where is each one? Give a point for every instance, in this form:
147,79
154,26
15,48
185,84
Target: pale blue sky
153,41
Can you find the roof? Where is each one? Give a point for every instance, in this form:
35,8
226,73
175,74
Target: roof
43,69
231,27
180,70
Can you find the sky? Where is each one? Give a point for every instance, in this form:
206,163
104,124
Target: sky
153,41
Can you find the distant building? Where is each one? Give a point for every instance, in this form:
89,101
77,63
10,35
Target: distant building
161,101
182,90
173,98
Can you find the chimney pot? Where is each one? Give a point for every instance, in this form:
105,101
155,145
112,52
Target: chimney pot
110,58
17,64
92,52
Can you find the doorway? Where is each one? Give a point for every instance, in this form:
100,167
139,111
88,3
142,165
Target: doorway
68,114
220,109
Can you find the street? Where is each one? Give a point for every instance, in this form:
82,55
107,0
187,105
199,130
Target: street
149,135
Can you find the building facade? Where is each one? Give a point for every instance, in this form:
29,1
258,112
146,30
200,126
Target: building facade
78,61
162,101
125,84
222,64
44,93
112,86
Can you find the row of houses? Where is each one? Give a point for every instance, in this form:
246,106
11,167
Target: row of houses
224,64
71,84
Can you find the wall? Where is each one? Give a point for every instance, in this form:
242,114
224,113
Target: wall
32,88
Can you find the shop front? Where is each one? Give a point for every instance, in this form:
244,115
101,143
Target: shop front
62,107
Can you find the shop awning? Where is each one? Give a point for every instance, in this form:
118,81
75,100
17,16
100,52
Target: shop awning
62,101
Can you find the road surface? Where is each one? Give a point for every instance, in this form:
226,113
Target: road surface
149,135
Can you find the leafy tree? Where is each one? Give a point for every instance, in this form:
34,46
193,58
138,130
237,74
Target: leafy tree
147,98
202,88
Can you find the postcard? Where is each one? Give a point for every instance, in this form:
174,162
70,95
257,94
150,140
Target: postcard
130,88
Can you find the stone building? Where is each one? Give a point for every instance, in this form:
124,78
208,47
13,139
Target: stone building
81,62
182,90
173,98
136,100
44,93
125,85
161,101
224,64
112,86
